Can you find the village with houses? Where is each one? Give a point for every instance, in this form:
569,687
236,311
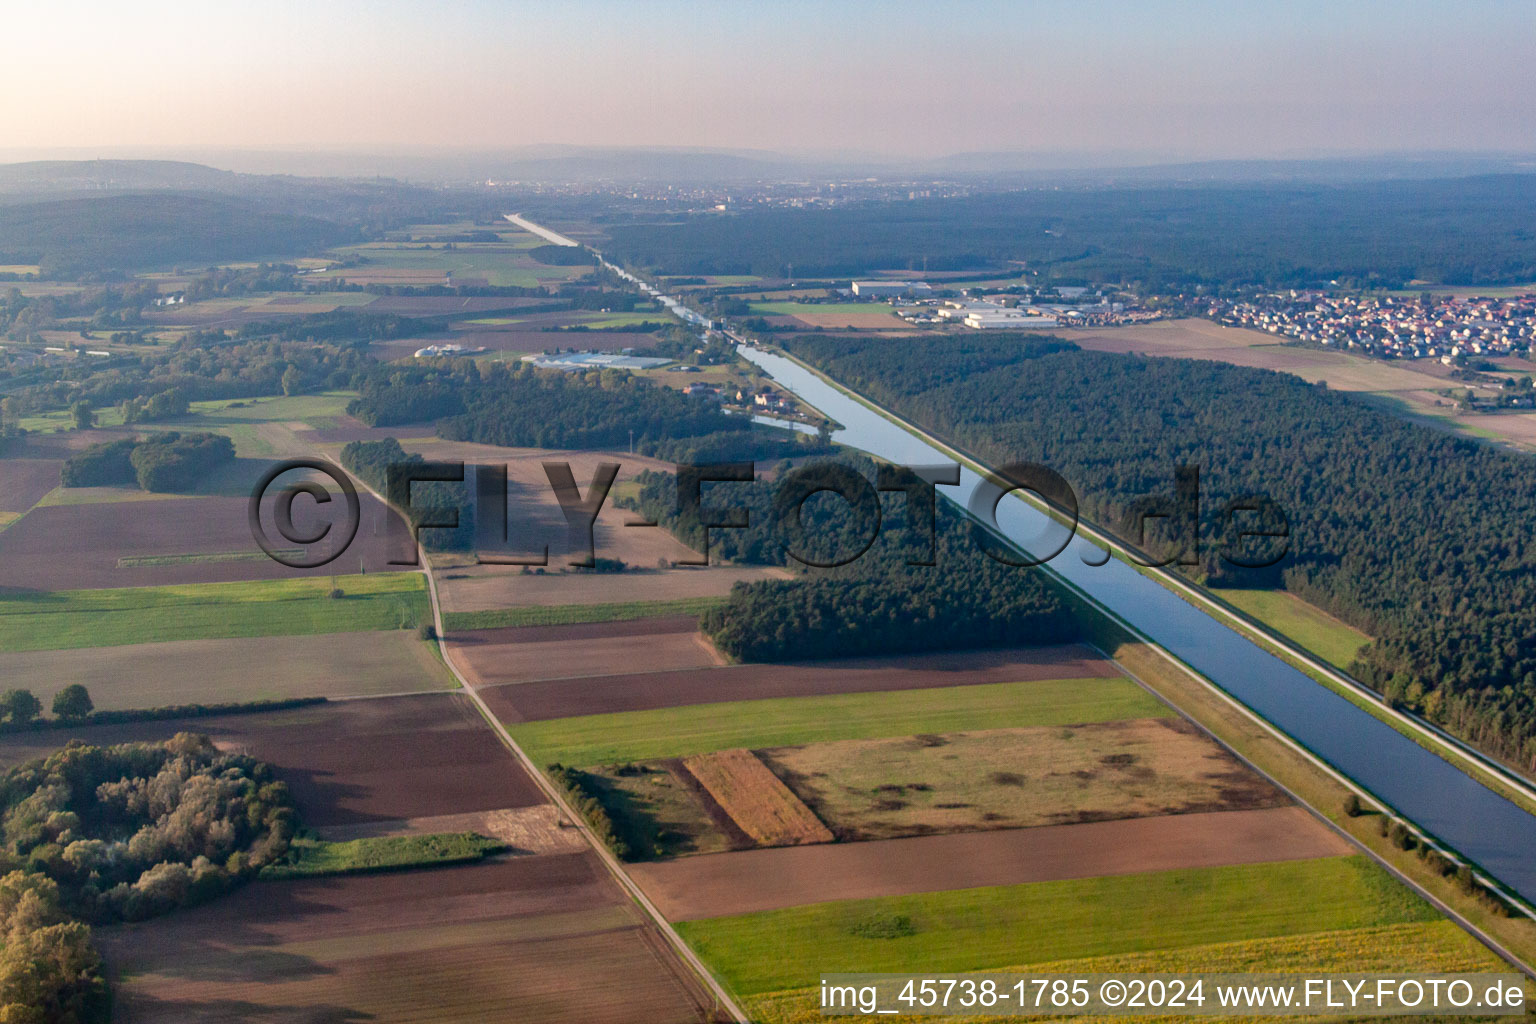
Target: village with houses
1454,330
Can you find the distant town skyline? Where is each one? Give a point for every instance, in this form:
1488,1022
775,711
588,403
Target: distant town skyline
1158,80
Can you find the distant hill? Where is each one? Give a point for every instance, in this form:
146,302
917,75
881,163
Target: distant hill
47,177
99,234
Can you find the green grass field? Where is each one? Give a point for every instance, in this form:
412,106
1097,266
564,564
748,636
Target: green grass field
204,611
1320,633
308,858
569,614
785,722
975,929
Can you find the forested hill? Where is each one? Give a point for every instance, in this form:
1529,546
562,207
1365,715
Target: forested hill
1455,231
68,237
1419,538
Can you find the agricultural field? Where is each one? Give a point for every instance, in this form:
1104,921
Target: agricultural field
60,620
1287,614
537,701
750,881
516,655
157,674
703,728
498,265
94,540
510,939
1017,778
836,315
1427,946
754,799
1041,922
535,520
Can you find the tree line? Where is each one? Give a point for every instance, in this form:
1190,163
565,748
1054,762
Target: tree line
862,594
164,462
1374,234
1416,537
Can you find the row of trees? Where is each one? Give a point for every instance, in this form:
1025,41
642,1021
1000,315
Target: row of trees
20,708
1416,537
164,462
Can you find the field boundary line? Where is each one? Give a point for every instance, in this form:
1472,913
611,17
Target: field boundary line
684,952
611,862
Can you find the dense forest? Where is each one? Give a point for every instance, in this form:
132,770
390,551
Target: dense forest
862,594
428,500
165,462
1417,537
119,833
1458,231
100,235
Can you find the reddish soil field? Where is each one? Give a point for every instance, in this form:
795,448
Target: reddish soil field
67,547
562,698
350,762
661,624
535,939
489,660
723,884
23,482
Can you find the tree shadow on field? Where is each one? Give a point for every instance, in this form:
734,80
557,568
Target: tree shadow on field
142,1007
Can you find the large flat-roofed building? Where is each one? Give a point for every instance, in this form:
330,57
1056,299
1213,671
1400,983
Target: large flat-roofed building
1007,320
890,289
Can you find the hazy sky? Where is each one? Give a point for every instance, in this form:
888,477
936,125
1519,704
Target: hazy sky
1181,80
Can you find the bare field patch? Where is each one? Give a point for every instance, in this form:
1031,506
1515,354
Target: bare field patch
23,482
80,546
1016,778
499,658
232,670
508,940
1163,337
755,799
1241,346
855,321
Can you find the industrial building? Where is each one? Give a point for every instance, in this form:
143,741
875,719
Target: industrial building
890,289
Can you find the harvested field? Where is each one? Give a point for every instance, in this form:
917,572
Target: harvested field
509,940
444,305
225,671
23,482
534,702
1017,778
755,799
748,881
67,547
701,728
860,321
1241,346
350,762
515,655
